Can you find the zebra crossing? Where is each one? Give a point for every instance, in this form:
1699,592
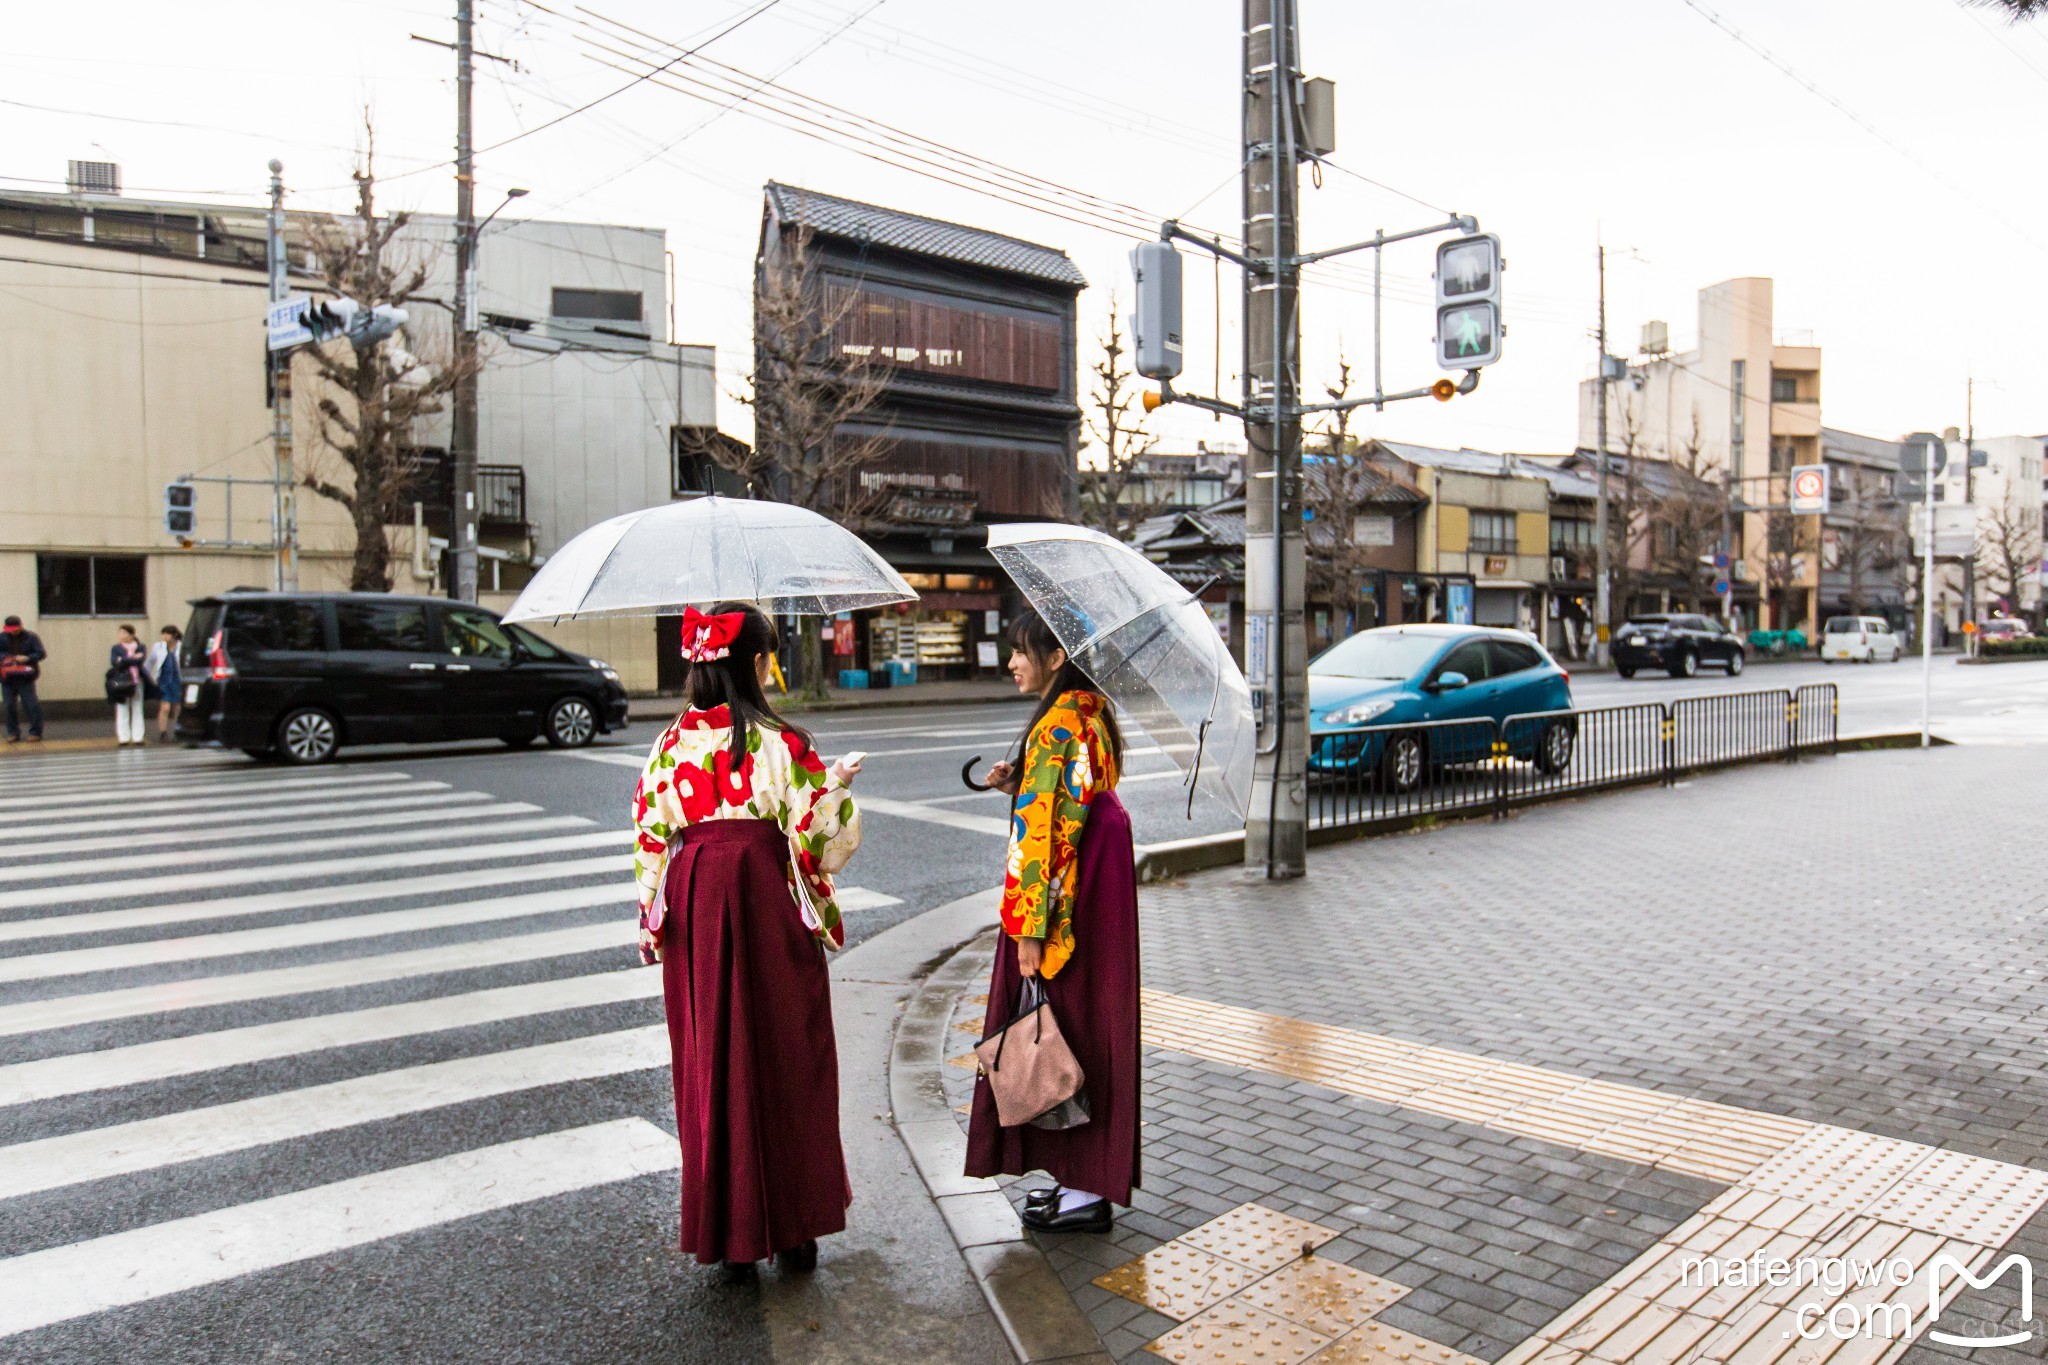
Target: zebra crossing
255,1022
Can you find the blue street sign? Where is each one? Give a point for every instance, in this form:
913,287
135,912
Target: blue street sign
1720,587
1720,562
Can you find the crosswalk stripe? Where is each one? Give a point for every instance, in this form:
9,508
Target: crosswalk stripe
89,804
378,862
308,933
532,823
178,790
910,810
852,898
194,1134
80,1072
183,912
415,794
46,1287
444,806
36,1016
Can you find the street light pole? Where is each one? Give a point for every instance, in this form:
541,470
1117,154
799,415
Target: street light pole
1926,594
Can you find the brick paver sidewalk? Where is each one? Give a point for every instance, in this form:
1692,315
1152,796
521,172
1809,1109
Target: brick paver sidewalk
1502,1082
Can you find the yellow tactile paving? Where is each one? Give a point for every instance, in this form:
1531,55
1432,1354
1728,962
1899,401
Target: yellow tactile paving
1796,1190
1256,1236
966,1061
1237,1333
1178,1280
1378,1344
1323,1295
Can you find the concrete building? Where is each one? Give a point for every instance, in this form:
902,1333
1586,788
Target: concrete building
2007,489
132,352
1483,545
1744,402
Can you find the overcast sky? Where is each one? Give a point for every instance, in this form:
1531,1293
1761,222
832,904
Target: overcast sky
1906,222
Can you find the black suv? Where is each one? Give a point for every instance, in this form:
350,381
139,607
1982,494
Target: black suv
1678,644
298,675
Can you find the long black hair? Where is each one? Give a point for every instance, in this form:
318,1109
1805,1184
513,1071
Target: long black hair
731,682
1031,636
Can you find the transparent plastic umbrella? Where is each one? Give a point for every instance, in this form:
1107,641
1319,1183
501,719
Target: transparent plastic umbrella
705,550
1146,642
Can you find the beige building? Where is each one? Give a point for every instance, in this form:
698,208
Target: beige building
1486,520
132,351
1747,404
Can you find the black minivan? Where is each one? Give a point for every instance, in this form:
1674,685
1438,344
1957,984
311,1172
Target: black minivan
298,675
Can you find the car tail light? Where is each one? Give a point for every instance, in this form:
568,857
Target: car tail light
217,657
1567,674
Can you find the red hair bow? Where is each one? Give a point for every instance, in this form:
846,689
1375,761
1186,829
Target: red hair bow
706,638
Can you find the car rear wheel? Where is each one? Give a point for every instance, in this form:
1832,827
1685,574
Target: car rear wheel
307,735
571,723
1626,670
1554,750
1688,665
1736,663
1402,765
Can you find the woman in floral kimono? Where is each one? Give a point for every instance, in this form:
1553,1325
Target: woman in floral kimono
1069,916
740,829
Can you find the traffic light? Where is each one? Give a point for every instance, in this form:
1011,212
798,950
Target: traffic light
1468,325
363,327
1155,317
326,320
181,509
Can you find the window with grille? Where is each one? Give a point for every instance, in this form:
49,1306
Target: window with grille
1493,533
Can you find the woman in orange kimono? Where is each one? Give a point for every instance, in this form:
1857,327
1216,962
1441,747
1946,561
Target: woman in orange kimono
1070,917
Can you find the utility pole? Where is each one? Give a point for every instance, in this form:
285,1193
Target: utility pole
284,502
462,439
1276,828
1601,567
1969,494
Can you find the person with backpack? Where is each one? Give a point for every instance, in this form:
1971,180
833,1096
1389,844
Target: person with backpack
124,687
21,663
168,681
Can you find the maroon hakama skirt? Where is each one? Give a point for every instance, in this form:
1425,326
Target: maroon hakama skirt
1095,997
750,1028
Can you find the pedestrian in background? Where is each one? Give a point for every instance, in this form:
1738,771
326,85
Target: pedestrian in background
169,682
740,828
21,663
124,687
1069,917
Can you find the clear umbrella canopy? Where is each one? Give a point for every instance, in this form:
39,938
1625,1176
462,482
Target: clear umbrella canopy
1146,642
706,550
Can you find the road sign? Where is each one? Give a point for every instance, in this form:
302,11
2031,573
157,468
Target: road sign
1468,326
1720,562
1809,488
1955,530
1720,587
287,323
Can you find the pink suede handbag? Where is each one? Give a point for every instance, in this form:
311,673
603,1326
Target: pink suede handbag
1030,1069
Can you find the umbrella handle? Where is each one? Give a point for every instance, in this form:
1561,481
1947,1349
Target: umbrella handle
967,776
1195,774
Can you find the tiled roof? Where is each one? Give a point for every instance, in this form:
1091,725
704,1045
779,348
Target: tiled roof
858,222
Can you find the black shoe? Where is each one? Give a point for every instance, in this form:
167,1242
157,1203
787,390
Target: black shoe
1094,1217
738,1272
1041,1197
800,1259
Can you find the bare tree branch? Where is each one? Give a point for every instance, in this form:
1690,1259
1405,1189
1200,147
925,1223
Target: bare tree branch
1116,495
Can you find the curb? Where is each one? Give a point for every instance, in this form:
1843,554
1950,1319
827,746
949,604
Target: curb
61,746
1030,1303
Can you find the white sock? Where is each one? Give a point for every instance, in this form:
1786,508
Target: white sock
1071,1200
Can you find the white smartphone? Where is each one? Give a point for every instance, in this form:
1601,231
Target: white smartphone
857,756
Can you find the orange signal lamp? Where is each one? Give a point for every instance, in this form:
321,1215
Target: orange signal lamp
1444,390
1153,400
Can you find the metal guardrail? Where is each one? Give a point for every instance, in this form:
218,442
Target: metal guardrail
1391,775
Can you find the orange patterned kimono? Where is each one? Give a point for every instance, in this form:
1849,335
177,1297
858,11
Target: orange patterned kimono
1068,761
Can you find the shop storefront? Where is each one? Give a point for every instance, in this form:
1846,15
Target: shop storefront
953,632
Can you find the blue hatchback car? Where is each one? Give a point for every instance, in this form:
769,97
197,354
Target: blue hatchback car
1397,675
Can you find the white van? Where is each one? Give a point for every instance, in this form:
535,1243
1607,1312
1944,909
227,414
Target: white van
1864,639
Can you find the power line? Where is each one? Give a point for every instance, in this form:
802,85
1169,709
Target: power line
1861,122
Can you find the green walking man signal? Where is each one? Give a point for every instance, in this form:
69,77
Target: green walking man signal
1468,326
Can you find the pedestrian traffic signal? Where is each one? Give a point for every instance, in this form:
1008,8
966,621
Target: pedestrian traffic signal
1155,317
181,509
1468,325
